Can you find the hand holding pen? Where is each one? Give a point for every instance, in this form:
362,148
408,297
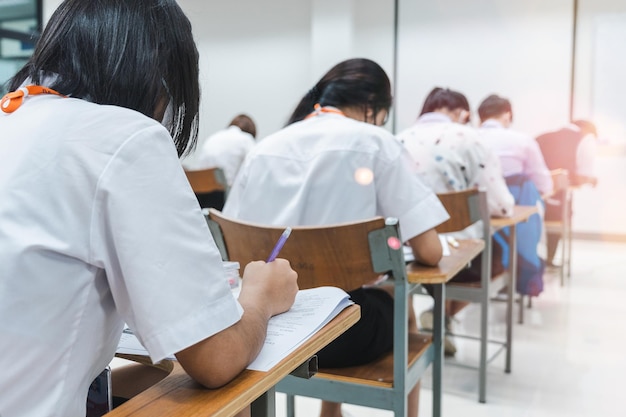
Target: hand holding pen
279,245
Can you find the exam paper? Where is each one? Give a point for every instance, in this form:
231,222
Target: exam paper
312,310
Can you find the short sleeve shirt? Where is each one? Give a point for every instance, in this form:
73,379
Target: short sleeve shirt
450,157
331,169
518,153
225,149
98,226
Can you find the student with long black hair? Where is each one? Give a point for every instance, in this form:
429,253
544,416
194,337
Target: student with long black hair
333,163
98,224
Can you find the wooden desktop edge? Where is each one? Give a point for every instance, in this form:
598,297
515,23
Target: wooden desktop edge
520,214
179,395
448,267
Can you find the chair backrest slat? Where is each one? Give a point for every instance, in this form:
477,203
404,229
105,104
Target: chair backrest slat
464,208
207,180
337,255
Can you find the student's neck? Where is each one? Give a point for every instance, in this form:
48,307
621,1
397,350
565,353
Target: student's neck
354,113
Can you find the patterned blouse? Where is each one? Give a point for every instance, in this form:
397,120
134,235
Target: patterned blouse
450,157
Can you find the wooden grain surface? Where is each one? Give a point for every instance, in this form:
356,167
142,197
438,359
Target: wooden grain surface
449,266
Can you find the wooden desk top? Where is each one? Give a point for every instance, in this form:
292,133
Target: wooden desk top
520,214
179,395
448,267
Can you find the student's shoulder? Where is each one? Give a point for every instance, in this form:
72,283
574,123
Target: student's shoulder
112,126
111,117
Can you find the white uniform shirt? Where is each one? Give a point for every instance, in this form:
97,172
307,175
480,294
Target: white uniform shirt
316,172
98,226
450,157
518,153
225,149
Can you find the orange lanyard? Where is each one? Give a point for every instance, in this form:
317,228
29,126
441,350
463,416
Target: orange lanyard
12,101
319,109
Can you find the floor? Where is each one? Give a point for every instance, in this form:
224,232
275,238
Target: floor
567,356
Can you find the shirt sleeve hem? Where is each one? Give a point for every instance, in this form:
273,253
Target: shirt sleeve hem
209,320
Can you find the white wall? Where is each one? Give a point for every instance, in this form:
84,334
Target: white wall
254,58
518,49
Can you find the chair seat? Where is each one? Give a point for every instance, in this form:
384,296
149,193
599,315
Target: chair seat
380,371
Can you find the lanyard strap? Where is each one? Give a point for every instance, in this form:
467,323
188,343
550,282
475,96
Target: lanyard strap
12,101
319,109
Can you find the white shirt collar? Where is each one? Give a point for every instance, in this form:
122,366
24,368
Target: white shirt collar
433,117
492,124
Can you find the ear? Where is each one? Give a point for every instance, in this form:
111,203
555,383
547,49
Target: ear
370,117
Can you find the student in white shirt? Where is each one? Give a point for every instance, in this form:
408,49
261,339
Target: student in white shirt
98,224
449,156
228,148
334,164
518,152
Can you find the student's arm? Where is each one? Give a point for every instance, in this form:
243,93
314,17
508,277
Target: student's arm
427,248
267,290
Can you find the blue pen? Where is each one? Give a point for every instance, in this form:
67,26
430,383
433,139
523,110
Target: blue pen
279,245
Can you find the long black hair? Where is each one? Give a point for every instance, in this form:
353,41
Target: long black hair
356,82
134,54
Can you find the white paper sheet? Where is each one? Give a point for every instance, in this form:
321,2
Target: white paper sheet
312,309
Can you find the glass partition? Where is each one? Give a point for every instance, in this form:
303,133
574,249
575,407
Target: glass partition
20,26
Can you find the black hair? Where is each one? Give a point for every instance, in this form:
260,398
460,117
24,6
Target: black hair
135,54
245,123
357,82
440,98
494,106
586,127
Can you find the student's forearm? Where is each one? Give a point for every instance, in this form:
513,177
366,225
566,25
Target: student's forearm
218,359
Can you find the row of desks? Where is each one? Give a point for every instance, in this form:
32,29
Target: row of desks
179,395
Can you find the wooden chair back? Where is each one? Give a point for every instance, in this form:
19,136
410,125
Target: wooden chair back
207,180
337,255
465,209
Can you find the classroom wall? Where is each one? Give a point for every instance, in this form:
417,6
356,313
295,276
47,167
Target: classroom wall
262,56
517,49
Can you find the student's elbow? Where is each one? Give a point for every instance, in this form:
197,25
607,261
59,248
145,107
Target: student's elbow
210,376
214,379
427,248
432,256
210,370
